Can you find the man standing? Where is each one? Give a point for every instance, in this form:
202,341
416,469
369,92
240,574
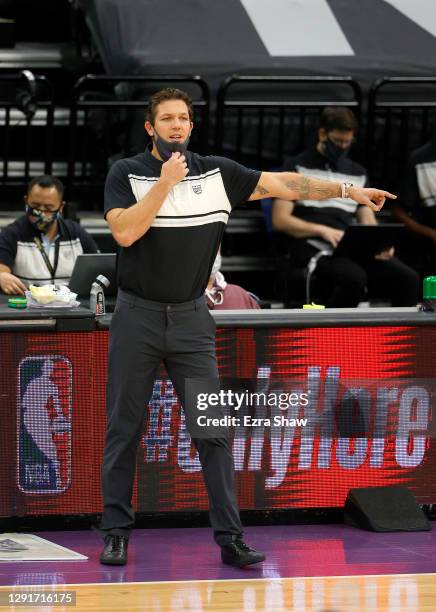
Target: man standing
310,228
167,208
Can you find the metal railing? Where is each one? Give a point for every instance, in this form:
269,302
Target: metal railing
262,119
26,128
259,121
107,123
401,117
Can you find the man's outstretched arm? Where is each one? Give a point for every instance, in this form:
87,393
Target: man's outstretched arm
294,186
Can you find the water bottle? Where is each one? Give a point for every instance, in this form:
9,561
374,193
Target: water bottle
96,300
429,293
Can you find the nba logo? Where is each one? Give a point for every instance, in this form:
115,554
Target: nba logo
44,424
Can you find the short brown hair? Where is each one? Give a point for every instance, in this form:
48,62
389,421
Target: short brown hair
163,95
338,118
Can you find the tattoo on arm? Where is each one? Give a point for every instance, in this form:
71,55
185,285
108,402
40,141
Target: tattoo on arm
260,190
310,188
302,187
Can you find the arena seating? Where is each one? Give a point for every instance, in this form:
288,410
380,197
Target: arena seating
257,121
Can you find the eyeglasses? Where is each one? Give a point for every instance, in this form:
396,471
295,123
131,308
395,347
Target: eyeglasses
43,209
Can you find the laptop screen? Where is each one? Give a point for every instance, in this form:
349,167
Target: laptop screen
86,269
365,241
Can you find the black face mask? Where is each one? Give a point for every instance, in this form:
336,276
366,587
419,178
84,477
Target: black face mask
167,147
333,152
40,220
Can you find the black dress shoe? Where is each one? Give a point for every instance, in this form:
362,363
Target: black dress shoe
236,552
115,550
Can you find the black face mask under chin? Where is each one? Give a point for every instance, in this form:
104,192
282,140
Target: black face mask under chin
333,152
167,147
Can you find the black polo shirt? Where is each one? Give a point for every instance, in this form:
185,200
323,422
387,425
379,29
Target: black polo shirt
336,212
172,261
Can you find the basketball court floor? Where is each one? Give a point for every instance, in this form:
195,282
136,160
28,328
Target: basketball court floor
323,568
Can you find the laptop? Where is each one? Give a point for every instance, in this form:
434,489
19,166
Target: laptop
86,269
365,241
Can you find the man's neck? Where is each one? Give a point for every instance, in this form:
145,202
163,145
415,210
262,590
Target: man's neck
155,153
320,148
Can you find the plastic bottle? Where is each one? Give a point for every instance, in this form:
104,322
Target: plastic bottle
96,300
429,293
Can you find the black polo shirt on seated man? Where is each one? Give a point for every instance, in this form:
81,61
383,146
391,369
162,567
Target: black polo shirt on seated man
172,261
336,212
19,251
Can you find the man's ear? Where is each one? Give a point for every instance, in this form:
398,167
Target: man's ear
322,134
149,128
26,199
61,208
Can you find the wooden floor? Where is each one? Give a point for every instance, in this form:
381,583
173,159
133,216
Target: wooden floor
393,593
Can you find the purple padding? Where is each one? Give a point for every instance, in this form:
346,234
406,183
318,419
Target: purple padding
167,554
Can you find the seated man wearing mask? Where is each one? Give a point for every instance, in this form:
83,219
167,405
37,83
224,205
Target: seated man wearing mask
41,247
222,296
309,229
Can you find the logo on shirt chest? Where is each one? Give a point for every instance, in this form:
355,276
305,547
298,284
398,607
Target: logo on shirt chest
197,189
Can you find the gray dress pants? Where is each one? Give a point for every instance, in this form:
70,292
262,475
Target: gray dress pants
142,334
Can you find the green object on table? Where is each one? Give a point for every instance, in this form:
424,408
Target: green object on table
17,302
429,288
429,294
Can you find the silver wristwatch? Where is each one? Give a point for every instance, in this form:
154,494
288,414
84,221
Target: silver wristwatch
346,189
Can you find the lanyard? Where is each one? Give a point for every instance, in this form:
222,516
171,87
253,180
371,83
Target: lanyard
50,268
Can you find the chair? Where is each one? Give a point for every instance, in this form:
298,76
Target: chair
293,284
